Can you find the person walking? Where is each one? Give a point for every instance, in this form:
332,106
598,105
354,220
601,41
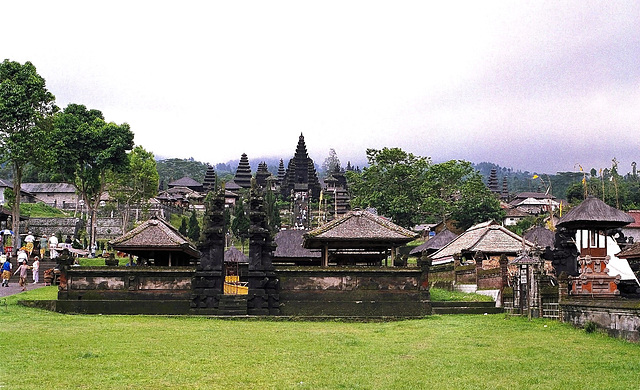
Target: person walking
23,269
29,239
53,246
6,273
43,245
35,268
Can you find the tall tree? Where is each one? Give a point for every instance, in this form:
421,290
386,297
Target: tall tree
240,224
476,203
391,183
137,185
85,149
194,227
331,162
25,107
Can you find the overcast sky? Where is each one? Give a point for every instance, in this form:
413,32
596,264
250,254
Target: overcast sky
538,86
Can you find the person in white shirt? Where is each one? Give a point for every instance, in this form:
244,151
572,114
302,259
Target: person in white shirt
35,267
53,246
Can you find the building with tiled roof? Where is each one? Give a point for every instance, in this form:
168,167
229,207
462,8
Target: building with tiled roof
433,244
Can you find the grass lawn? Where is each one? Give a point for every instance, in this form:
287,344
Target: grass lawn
439,294
49,350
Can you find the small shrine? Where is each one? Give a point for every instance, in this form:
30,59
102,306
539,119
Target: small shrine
594,221
243,173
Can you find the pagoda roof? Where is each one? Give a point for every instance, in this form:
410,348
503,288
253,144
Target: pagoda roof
154,235
358,228
594,213
486,237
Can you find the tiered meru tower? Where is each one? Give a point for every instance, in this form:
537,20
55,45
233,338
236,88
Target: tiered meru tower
243,173
301,174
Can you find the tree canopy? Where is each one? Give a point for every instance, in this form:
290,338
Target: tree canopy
85,149
410,189
25,108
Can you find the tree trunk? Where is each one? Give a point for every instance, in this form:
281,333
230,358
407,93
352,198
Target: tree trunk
15,212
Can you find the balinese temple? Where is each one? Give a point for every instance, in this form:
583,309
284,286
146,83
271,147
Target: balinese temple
243,173
262,174
301,175
600,272
357,238
209,183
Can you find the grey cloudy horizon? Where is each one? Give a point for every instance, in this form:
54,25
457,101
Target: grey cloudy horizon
537,86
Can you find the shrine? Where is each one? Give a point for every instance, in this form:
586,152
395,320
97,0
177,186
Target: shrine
300,176
599,273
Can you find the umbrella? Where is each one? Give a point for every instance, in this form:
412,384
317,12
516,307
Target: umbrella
7,231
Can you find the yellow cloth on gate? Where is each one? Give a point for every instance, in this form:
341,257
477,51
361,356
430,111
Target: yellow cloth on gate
29,247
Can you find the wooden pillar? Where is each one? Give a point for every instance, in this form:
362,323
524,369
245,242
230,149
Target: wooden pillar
393,255
325,255
169,259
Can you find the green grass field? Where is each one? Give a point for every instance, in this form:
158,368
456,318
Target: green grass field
49,350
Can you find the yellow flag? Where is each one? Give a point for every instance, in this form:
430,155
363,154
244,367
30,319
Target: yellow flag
535,176
320,196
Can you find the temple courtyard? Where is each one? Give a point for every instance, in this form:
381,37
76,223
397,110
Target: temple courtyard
43,349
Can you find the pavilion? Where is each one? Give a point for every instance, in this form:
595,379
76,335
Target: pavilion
358,237
157,241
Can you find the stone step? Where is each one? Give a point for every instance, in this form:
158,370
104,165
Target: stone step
466,288
466,310
462,304
232,305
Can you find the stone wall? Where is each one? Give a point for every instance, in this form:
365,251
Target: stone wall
127,290
619,318
489,279
361,292
106,228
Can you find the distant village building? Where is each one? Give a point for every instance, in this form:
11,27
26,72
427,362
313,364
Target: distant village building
59,195
186,182
534,203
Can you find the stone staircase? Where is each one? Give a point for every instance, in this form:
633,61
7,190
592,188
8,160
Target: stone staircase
232,305
451,307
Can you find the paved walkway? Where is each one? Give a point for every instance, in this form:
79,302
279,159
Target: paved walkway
14,287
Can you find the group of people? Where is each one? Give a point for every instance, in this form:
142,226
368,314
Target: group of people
23,270
24,254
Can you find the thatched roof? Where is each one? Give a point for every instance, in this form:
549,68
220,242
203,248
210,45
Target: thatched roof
234,255
437,242
594,213
540,236
356,228
486,237
154,235
289,245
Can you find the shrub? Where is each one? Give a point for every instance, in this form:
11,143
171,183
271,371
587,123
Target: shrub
590,327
